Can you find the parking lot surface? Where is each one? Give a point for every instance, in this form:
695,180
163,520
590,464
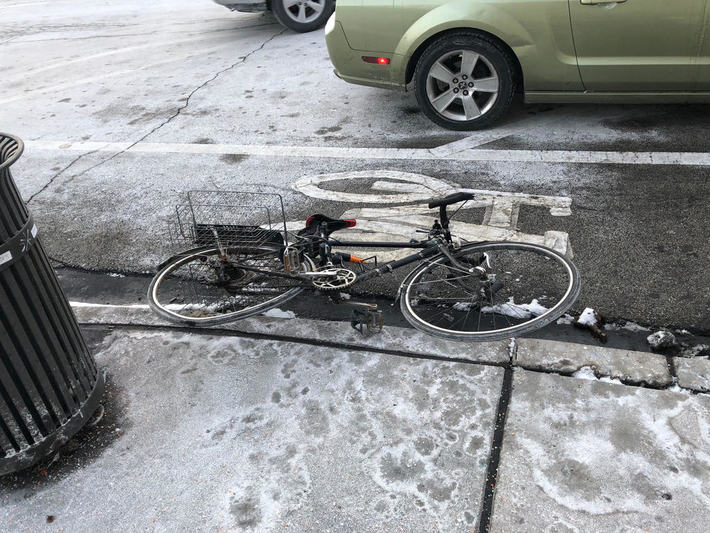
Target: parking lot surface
124,106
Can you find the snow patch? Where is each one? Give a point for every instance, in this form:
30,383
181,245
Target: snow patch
278,313
587,318
676,388
566,320
586,372
661,339
633,326
608,379
510,308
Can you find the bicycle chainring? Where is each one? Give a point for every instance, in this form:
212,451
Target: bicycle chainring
341,278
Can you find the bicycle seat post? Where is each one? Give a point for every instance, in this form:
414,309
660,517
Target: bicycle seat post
443,217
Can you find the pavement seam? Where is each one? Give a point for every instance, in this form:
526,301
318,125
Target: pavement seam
506,392
670,362
167,121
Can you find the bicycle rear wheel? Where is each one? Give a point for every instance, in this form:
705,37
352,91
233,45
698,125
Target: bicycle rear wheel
526,287
199,288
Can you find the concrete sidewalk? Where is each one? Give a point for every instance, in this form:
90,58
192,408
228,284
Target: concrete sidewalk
250,431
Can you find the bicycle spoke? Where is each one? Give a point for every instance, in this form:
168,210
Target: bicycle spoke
504,299
207,284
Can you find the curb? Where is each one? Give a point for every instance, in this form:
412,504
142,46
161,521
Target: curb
565,358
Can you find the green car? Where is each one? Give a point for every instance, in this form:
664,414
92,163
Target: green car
465,59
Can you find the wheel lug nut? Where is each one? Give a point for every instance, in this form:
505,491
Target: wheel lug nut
465,93
464,77
470,84
456,80
456,90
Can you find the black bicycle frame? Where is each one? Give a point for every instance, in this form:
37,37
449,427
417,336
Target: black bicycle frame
429,248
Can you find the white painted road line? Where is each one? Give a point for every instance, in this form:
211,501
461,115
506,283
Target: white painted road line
112,74
117,51
337,152
108,306
23,4
479,138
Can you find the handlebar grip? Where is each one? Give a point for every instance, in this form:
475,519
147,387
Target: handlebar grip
451,199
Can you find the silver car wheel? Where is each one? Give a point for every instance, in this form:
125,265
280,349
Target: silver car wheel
462,85
303,11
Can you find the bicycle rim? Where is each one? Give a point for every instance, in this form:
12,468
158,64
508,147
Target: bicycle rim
529,286
198,288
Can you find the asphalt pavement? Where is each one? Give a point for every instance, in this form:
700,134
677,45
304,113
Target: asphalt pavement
125,106
303,424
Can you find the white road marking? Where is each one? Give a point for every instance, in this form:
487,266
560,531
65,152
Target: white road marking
428,187
92,79
500,220
6,6
152,45
109,306
527,124
337,152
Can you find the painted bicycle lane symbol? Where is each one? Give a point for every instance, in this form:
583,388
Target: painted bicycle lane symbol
412,191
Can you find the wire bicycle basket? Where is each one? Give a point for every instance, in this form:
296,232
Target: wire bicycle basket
229,218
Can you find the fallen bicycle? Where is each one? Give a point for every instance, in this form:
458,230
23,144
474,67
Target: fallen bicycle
243,261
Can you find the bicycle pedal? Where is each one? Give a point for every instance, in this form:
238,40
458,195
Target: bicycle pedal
367,321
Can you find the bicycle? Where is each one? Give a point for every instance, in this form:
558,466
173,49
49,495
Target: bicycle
457,290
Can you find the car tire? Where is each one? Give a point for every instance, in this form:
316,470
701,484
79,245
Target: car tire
493,67
288,12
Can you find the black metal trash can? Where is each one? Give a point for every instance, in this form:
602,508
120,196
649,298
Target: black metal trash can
49,382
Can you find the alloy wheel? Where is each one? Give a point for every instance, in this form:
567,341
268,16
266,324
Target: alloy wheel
462,85
303,11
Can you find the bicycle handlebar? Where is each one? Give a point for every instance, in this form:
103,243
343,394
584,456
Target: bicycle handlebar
451,199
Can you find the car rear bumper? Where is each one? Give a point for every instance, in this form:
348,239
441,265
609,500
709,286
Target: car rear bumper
245,6
349,65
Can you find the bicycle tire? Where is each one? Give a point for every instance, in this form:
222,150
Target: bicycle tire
183,258
538,322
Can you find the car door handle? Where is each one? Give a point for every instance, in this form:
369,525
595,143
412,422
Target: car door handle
595,2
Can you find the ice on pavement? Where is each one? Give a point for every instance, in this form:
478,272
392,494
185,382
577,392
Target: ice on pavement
565,320
586,372
602,457
227,432
278,313
511,309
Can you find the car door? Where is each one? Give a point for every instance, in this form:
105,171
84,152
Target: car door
637,45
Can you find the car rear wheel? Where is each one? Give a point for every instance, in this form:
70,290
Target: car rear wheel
302,15
464,81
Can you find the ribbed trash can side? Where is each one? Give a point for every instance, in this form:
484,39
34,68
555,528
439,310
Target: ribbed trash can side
49,382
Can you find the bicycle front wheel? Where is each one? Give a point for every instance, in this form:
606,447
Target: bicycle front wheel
201,288
525,287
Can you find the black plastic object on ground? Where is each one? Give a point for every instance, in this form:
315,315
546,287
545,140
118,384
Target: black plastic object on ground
49,382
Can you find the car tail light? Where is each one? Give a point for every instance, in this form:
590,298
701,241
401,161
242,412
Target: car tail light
377,60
